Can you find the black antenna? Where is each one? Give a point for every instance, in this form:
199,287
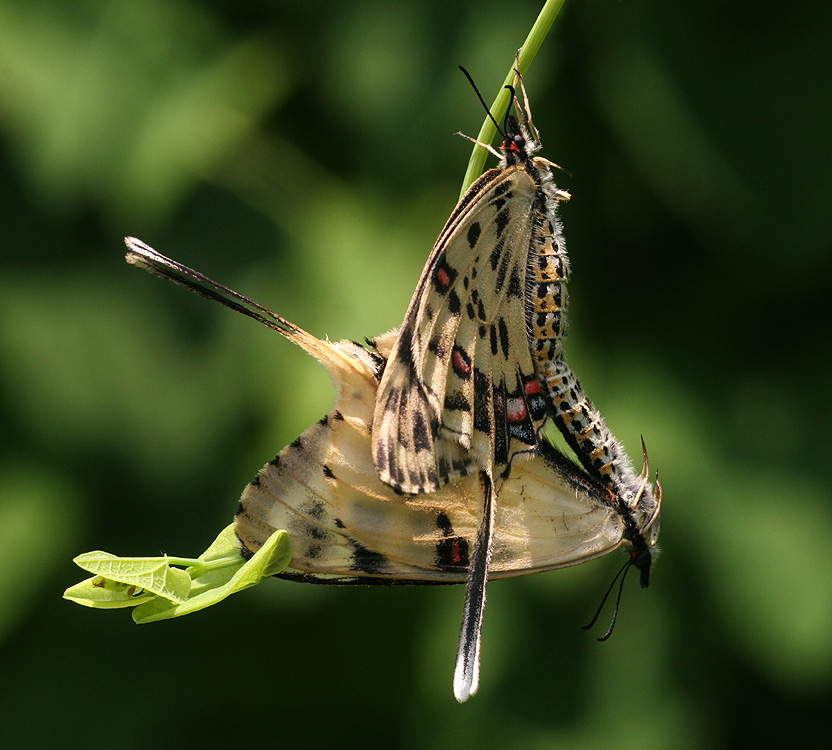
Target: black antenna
488,111
624,569
508,110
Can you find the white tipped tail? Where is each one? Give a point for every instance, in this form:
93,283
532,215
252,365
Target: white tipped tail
467,670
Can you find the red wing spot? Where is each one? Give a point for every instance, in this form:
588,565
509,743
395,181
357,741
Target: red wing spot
456,554
516,410
532,388
442,277
462,365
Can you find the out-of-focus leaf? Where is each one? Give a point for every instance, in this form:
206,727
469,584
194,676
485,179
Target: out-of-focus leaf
158,85
39,520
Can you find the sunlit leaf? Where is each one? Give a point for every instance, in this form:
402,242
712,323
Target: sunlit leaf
153,574
216,585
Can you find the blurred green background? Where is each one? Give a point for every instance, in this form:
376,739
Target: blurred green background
303,153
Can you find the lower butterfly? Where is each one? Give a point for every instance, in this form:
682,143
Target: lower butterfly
349,527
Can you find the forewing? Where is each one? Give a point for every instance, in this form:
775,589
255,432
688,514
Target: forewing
460,389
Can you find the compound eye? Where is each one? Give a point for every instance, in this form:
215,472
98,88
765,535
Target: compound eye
519,141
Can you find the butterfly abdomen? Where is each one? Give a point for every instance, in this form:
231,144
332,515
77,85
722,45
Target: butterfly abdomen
546,276
585,431
546,299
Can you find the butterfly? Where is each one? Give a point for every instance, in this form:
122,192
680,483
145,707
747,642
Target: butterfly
478,365
349,527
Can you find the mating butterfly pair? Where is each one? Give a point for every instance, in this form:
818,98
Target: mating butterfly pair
431,467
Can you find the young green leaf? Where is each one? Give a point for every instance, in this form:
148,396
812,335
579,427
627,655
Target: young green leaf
218,583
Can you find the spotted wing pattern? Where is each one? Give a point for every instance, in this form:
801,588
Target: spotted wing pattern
347,526
479,363
461,388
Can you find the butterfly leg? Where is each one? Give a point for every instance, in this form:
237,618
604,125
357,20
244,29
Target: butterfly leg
518,81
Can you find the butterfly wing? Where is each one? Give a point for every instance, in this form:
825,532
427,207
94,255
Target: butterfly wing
460,388
347,526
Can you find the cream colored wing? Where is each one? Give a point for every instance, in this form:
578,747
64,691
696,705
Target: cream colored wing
347,526
460,388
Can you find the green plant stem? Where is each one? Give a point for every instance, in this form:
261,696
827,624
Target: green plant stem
534,40
197,568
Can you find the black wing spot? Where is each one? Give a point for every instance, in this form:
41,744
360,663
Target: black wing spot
496,254
502,220
501,274
328,472
436,346
317,533
381,458
501,188
454,305
473,234
515,288
524,432
503,336
421,439
500,427
482,403
392,400
317,509
457,402
366,560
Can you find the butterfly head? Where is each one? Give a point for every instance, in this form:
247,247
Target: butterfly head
515,141
641,532
520,139
642,523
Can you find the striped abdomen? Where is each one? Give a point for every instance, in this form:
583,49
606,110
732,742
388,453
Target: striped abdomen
576,417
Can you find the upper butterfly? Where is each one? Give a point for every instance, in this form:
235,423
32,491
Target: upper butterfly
462,388
479,364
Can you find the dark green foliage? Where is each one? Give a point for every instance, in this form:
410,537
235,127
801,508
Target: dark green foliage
310,164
